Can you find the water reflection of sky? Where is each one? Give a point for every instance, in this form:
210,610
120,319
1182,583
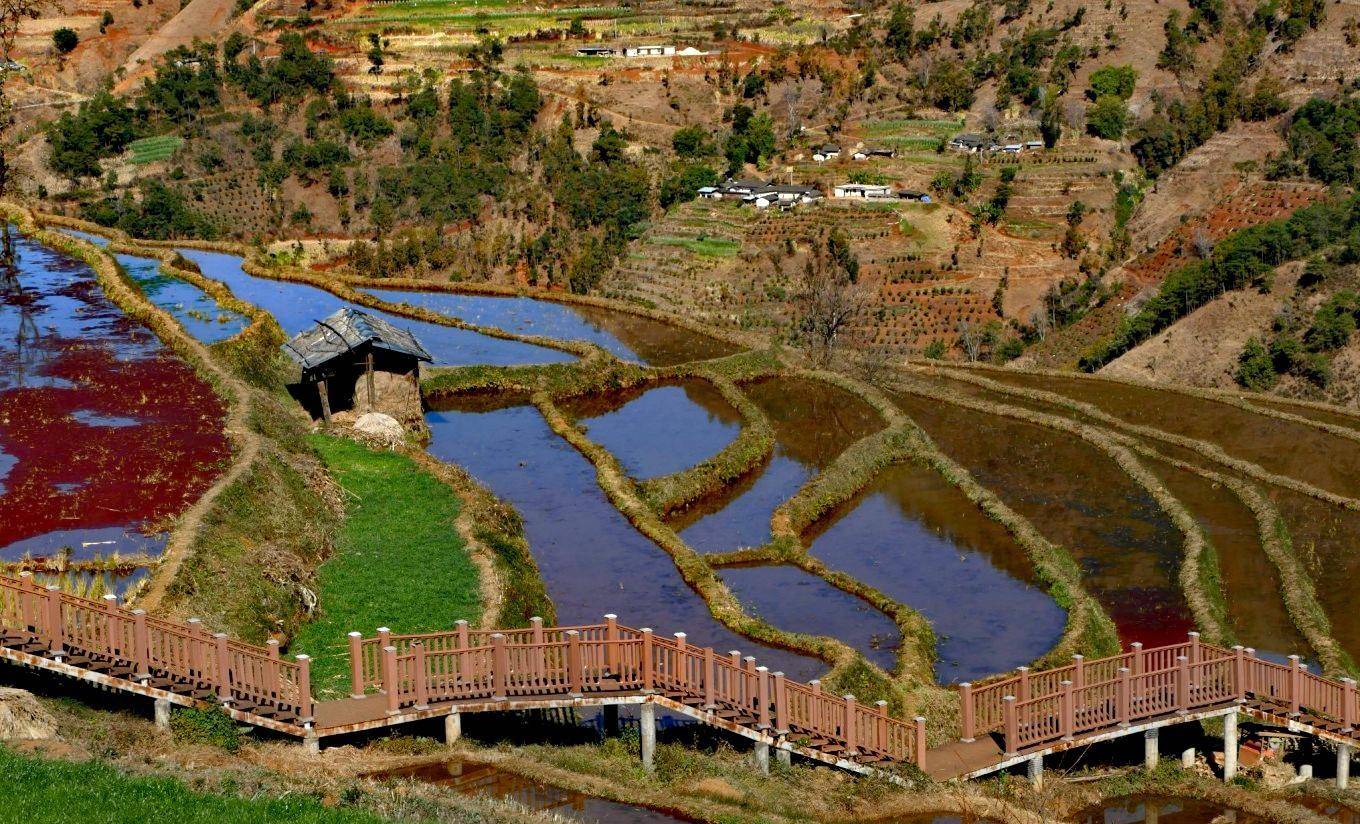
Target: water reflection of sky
296,306
660,432
525,316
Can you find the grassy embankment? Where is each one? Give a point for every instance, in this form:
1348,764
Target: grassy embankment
399,560
40,791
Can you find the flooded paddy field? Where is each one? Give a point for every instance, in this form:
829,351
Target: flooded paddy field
105,434
1079,498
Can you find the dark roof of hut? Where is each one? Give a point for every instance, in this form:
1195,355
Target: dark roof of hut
347,330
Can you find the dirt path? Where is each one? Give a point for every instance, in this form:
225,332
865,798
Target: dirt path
203,19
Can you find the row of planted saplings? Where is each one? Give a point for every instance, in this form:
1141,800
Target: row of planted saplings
414,671
1035,708
146,648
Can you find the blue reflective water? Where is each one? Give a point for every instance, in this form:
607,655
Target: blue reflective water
666,429
7,462
745,521
526,316
987,619
797,601
90,418
196,311
296,306
592,560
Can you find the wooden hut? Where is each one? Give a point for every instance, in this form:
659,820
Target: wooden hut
346,357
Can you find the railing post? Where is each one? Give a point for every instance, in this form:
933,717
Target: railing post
1022,688
56,629
422,687
1068,720
575,678
763,698
749,681
391,684
1239,672
500,667
781,706
710,673
682,670
919,740
222,669
1348,709
1194,653
113,640
1136,650
848,728
141,646
305,688
356,665
881,726
611,643
1009,714
1182,684
648,669
1295,685
1124,697
271,648
541,651
738,686
195,653
464,637
967,722
1078,671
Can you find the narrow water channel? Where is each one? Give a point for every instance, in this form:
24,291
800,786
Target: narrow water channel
1162,810
104,434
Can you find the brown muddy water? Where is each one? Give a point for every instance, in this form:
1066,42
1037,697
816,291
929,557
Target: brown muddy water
1283,447
486,781
1076,496
1162,810
1325,538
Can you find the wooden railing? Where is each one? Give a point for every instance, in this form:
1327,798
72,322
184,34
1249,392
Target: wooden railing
152,647
1089,696
412,671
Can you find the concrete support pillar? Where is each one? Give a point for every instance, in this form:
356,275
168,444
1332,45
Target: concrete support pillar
762,756
311,745
611,720
1034,771
453,728
648,730
785,756
1151,749
1343,765
1305,772
162,713
1188,758
1230,746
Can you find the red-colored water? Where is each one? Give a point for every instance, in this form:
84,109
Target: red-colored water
101,425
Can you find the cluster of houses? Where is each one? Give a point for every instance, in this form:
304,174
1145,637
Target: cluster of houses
972,143
644,50
763,195
830,151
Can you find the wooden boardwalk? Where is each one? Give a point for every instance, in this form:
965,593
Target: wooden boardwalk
398,679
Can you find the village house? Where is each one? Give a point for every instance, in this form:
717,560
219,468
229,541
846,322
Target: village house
354,362
828,151
864,153
649,50
784,196
968,142
595,51
864,191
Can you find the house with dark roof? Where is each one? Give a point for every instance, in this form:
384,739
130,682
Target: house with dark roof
352,359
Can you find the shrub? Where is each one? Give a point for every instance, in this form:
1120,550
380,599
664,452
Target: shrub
1116,81
1108,118
210,727
65,40
1255,369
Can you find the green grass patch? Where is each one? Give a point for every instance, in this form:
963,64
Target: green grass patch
59,792
705,246
153,149
398,562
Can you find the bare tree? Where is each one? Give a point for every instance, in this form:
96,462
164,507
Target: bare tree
12,14
1203,243
970,340
830,302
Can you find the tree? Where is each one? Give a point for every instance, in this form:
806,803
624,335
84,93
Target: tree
1051,121
830,301
684,185
65,40
690,141
1108,118
1255,369
1112,80
375,53
901,34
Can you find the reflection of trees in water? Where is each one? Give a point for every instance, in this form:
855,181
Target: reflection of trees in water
12,294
